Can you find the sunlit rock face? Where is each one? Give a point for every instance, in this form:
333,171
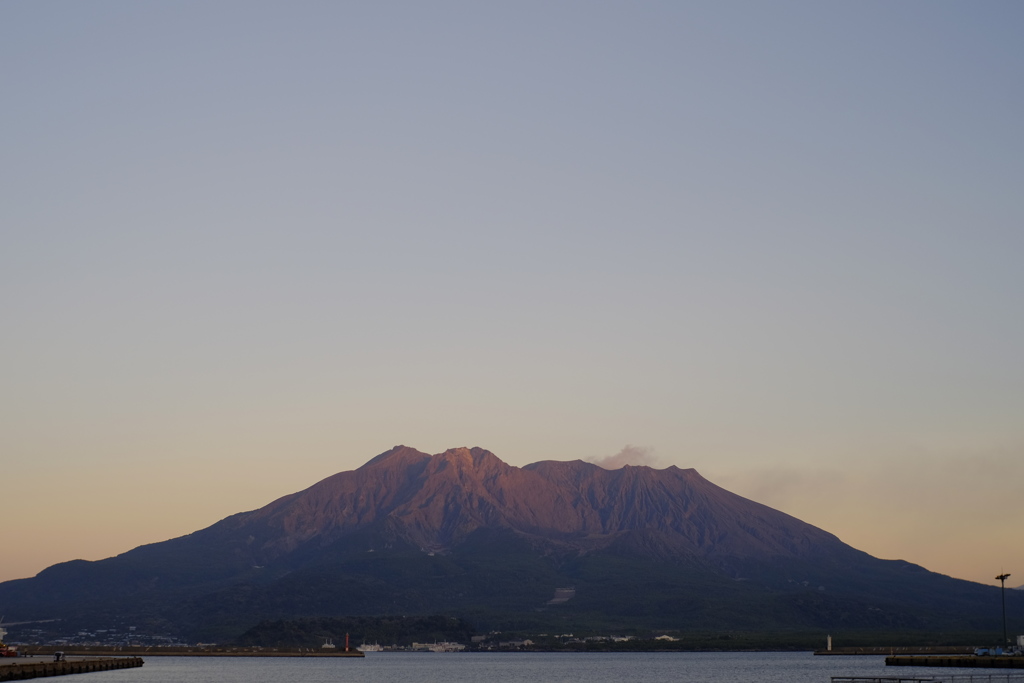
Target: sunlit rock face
436,501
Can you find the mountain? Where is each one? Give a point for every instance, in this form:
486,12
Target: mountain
552,544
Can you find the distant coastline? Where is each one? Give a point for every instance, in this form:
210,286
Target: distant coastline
631,646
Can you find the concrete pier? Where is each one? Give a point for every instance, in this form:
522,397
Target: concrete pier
964,661
937,678
20,668
902,650
205,651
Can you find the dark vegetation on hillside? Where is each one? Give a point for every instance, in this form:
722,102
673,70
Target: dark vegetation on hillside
403,631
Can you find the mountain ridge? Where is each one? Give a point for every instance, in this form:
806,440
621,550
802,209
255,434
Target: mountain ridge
437,500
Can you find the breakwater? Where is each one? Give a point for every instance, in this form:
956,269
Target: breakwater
969,661
100,651
20,671
902,650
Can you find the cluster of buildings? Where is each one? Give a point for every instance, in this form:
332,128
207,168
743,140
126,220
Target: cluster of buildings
492,641
101,637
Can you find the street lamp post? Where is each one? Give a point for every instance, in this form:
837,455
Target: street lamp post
1002,579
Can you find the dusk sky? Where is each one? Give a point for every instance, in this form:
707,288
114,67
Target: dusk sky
247,245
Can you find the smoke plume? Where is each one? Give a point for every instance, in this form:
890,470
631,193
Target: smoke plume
630,455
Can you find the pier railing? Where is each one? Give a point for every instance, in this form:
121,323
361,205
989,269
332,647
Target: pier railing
937,678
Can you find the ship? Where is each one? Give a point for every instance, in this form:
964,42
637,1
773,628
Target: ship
5,649
368,647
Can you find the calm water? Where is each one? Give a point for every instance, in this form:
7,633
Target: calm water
383,667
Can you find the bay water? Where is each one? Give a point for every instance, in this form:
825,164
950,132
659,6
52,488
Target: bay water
529,667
